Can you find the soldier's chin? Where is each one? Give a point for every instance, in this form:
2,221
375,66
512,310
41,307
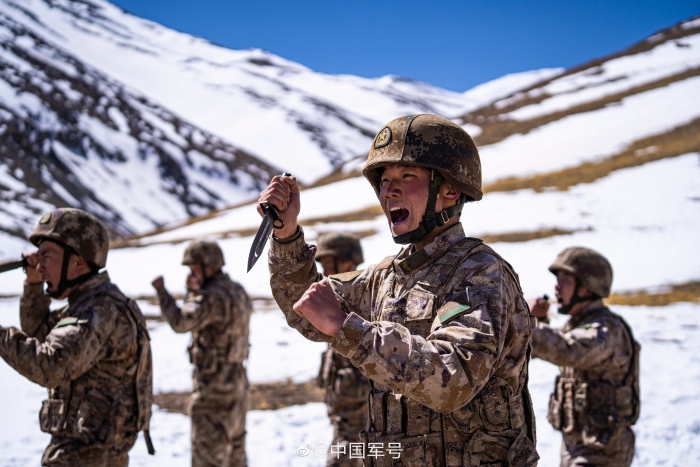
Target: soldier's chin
401,227
397,230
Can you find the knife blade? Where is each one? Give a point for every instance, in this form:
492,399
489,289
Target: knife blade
271,220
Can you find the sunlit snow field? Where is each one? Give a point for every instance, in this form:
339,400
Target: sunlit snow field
645,219
667,431
649,244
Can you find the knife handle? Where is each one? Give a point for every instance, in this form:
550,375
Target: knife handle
272,211
273,214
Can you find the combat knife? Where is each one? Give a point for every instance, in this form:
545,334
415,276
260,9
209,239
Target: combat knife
10,265
271,220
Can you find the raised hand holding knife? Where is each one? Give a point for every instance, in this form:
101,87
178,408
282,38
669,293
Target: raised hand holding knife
278,205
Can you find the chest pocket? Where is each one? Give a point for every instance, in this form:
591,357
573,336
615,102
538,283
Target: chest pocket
420,311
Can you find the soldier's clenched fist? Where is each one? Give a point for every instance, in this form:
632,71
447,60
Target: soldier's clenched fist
321,308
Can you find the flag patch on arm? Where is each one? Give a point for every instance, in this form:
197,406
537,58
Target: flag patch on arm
69,321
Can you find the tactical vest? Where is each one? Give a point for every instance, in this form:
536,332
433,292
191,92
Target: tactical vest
223,342
594,408
98,417
495,428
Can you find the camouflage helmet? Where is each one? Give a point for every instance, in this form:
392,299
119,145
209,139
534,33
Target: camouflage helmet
592,268
427,141
203,252
343,246
77,229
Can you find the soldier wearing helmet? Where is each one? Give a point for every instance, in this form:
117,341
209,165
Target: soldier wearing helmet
93,354
441,329
346,387
596,396
217,312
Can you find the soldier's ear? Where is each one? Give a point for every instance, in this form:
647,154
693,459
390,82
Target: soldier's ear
449,193
80,262
583,292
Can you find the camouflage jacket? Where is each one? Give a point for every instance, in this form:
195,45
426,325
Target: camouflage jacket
346,394
598,387
443,333
218,317
93,355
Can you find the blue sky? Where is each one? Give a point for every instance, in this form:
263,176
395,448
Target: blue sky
452,44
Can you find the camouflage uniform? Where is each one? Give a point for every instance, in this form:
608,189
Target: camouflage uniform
448,370
346,398
442,332
94,357
218,317
346,387
596,396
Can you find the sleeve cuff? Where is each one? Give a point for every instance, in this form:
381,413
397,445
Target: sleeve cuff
350,335
35,288
288,248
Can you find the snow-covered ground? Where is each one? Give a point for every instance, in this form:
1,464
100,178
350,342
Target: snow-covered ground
667,431
563,144
645,219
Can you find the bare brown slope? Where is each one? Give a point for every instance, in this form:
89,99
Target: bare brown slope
493,114
687,292
678,141
496,129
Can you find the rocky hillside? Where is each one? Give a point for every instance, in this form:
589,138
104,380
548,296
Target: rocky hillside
144,125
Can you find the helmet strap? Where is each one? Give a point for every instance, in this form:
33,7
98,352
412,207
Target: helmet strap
64,283
207,279
575,299
431,219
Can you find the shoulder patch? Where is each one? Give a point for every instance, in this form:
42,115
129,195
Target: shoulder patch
346,276
455,307
459,305
67,322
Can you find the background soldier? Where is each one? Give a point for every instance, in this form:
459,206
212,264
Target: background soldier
217,311
596,396
93,355
441,329
346,387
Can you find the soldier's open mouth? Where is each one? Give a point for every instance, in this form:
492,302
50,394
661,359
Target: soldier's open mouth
398,215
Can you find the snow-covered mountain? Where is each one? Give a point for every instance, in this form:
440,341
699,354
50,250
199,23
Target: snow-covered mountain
144,125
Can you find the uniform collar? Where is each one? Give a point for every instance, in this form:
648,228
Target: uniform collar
215,278
95,282
409,261
590,309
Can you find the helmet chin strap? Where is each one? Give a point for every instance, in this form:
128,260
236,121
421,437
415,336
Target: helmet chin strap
64,283
207,279
431,219
575,299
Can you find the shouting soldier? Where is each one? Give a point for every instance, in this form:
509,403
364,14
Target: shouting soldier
441,329
596,396
216,311
346,387
93,355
